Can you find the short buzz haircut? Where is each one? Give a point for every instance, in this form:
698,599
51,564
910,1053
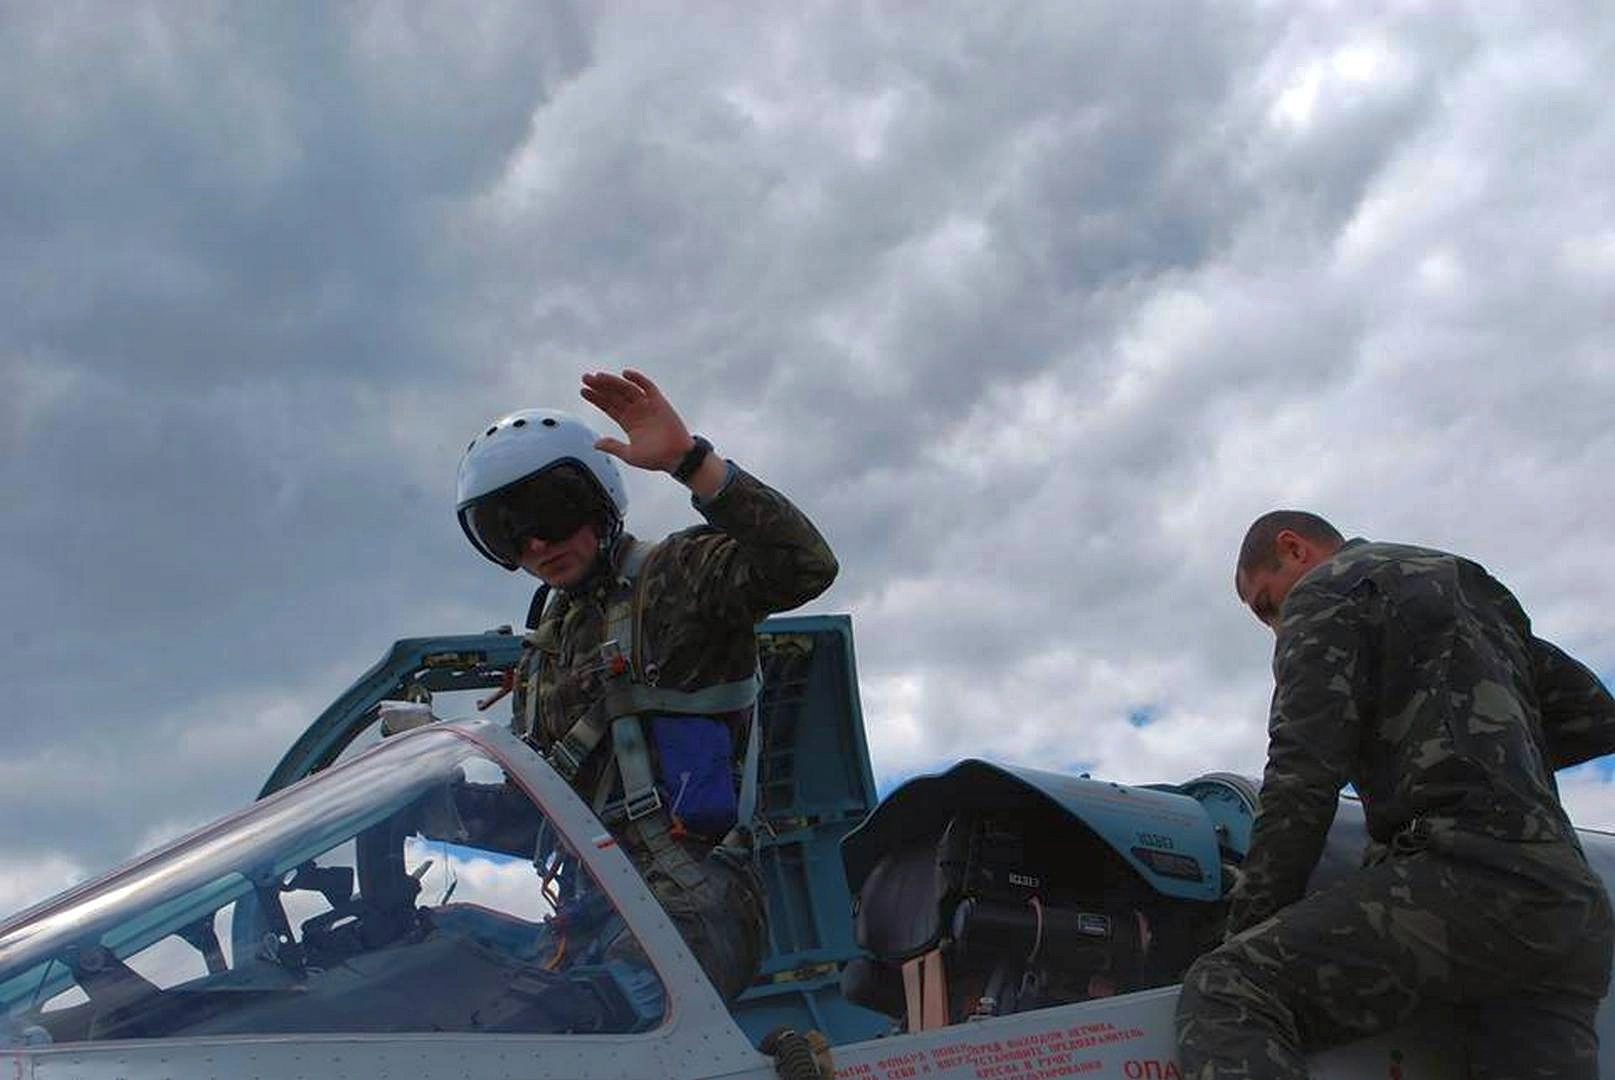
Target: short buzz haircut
1260,549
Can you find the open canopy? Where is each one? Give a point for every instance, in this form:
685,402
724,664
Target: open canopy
412,889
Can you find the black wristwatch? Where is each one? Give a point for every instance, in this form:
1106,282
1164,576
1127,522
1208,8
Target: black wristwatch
692,459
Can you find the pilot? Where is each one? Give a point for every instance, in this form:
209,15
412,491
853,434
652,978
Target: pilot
1413,675
639,677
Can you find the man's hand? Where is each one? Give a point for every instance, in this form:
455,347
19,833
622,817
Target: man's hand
657,437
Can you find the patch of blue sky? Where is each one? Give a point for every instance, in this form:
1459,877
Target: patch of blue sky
1142,716
1605,765
416,847
1597,769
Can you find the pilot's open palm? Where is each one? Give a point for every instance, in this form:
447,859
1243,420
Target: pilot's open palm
657,437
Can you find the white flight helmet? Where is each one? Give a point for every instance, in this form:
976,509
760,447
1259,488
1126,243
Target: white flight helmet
518,447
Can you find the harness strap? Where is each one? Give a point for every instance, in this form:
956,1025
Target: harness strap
543,599
609,812
639,795
622,609
632,694
631,756
634,699
641,804
667,854
746,807
540,603
571,750
718,698
638,696
530,701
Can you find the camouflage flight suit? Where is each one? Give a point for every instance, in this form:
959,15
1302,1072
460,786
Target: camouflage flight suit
704,590
1413,675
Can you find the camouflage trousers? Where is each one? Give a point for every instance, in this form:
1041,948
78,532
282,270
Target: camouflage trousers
1514,937
718,909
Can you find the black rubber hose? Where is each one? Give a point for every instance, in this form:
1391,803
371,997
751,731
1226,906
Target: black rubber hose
792,1054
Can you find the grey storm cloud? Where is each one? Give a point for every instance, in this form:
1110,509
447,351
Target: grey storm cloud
1032,307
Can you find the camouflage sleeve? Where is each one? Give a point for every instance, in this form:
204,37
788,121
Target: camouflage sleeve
1578,714
1313,733
771,557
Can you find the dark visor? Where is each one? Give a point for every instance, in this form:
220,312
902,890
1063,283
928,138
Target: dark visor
551,506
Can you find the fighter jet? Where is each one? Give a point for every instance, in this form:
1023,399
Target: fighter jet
439,903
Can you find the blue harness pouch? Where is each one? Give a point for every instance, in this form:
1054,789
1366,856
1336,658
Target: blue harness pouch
696,773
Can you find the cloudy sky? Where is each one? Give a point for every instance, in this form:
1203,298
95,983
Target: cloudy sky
1031,306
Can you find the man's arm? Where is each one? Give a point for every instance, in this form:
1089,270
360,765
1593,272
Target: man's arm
769,556
1578,713
1313,734
766,557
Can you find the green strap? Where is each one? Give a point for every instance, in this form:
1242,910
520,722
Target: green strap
641,804
746,805
535,666
627,705
667,854
638,697
630,696
571,750
707,701
639,795
607,811
530,698
622,609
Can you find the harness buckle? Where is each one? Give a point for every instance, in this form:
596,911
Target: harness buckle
642,804
566,757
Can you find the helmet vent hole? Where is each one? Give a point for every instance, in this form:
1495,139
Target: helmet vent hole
519,423
549,421
490,431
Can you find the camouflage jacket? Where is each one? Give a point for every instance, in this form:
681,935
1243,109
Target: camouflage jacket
1413,675
704,590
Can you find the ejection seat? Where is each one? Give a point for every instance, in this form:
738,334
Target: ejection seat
992,889
897,919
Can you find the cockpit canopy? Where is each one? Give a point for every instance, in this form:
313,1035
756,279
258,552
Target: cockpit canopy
416,888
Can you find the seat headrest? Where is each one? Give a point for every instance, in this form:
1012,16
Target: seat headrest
900,904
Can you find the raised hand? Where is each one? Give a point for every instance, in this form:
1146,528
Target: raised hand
657,437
